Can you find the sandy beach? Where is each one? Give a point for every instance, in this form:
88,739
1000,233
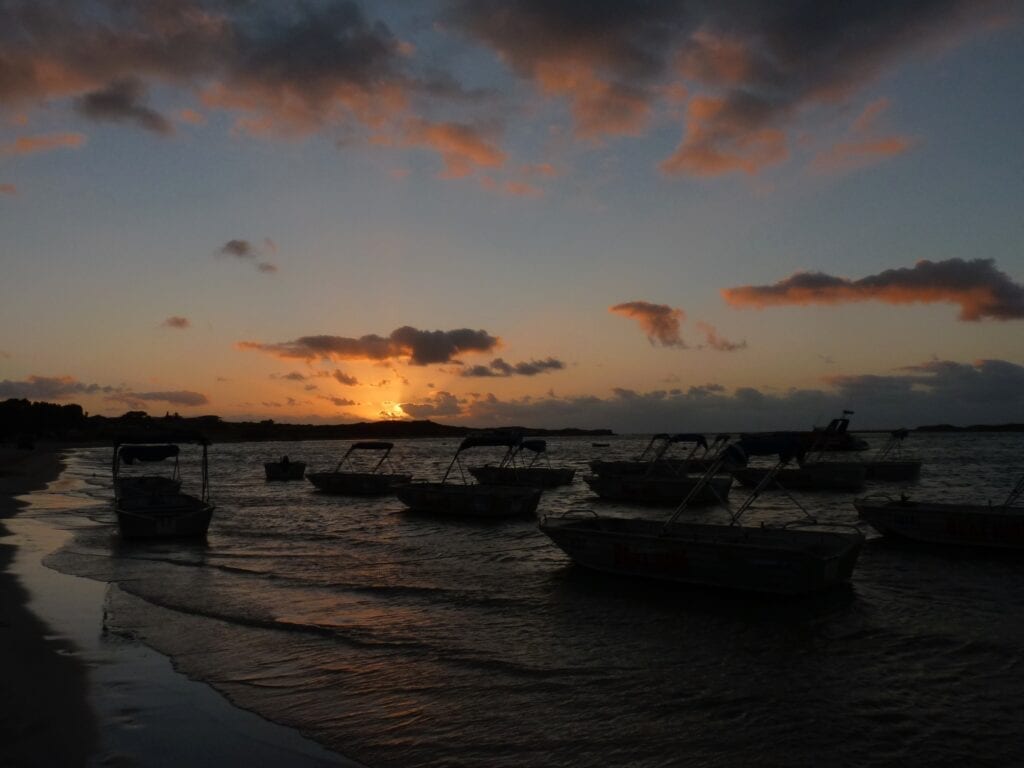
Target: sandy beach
74,696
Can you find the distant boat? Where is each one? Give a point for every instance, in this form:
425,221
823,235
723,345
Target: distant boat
889,465
346,480
153,507
285,469
834,437
991,526
513,471
472,500
795,559
817,476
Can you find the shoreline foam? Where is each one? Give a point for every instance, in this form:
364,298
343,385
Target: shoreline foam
78,695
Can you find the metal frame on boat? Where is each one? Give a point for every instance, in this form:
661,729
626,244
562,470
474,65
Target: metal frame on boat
797,558
150,506
991,526
663,483
511,471
472,500
355,483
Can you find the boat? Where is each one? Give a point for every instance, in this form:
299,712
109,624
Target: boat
513,471
652,460
346,480
285,469
834,437
472,499
889,465
797,558
817,476
663,482
967,524
153,507
812,472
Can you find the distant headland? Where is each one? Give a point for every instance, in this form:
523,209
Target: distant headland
23,420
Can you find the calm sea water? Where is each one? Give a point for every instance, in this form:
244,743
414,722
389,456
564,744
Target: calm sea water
402,640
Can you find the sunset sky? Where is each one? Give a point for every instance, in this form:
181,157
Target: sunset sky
648,216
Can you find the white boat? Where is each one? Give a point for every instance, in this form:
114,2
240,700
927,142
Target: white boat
472,499
992,526
153,507
348,480
793,559
513,470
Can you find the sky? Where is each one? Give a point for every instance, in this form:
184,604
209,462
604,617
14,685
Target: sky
667,215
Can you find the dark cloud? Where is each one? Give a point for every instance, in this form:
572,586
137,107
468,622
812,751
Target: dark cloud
50,388
986,391
343,378
981,290
659,321
182,397
247,251
421,347
754,65
124,101
241,249
441,404
499,368
177,321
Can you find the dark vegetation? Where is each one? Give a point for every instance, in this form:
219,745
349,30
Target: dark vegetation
23,421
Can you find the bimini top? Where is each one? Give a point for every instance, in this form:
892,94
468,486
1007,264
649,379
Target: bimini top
787,445
131,453
490,441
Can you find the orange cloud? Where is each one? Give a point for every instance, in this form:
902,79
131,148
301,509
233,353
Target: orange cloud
27,145
660,322
980,290
462,147
864,146
722,137
8,189
713,340
190,117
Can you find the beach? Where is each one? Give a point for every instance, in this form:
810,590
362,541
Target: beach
73,693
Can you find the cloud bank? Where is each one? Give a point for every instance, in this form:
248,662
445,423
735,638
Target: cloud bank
419,346
976,286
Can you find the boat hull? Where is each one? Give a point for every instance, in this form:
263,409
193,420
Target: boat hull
172,517
485,501
961,525
535,477
293,470
826,476
659,491
778,561
357,483
893,471
633,468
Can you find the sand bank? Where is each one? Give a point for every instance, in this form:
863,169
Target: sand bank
73,694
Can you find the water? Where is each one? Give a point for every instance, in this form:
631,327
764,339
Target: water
402,640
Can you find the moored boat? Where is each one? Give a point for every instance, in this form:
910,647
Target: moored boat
472,499
813,476
512,470
149,508
285,469
992,526
660,490
792,559
347,480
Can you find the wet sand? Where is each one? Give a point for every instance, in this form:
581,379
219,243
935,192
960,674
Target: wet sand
72,694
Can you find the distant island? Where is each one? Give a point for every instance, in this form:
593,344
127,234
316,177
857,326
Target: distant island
22,421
